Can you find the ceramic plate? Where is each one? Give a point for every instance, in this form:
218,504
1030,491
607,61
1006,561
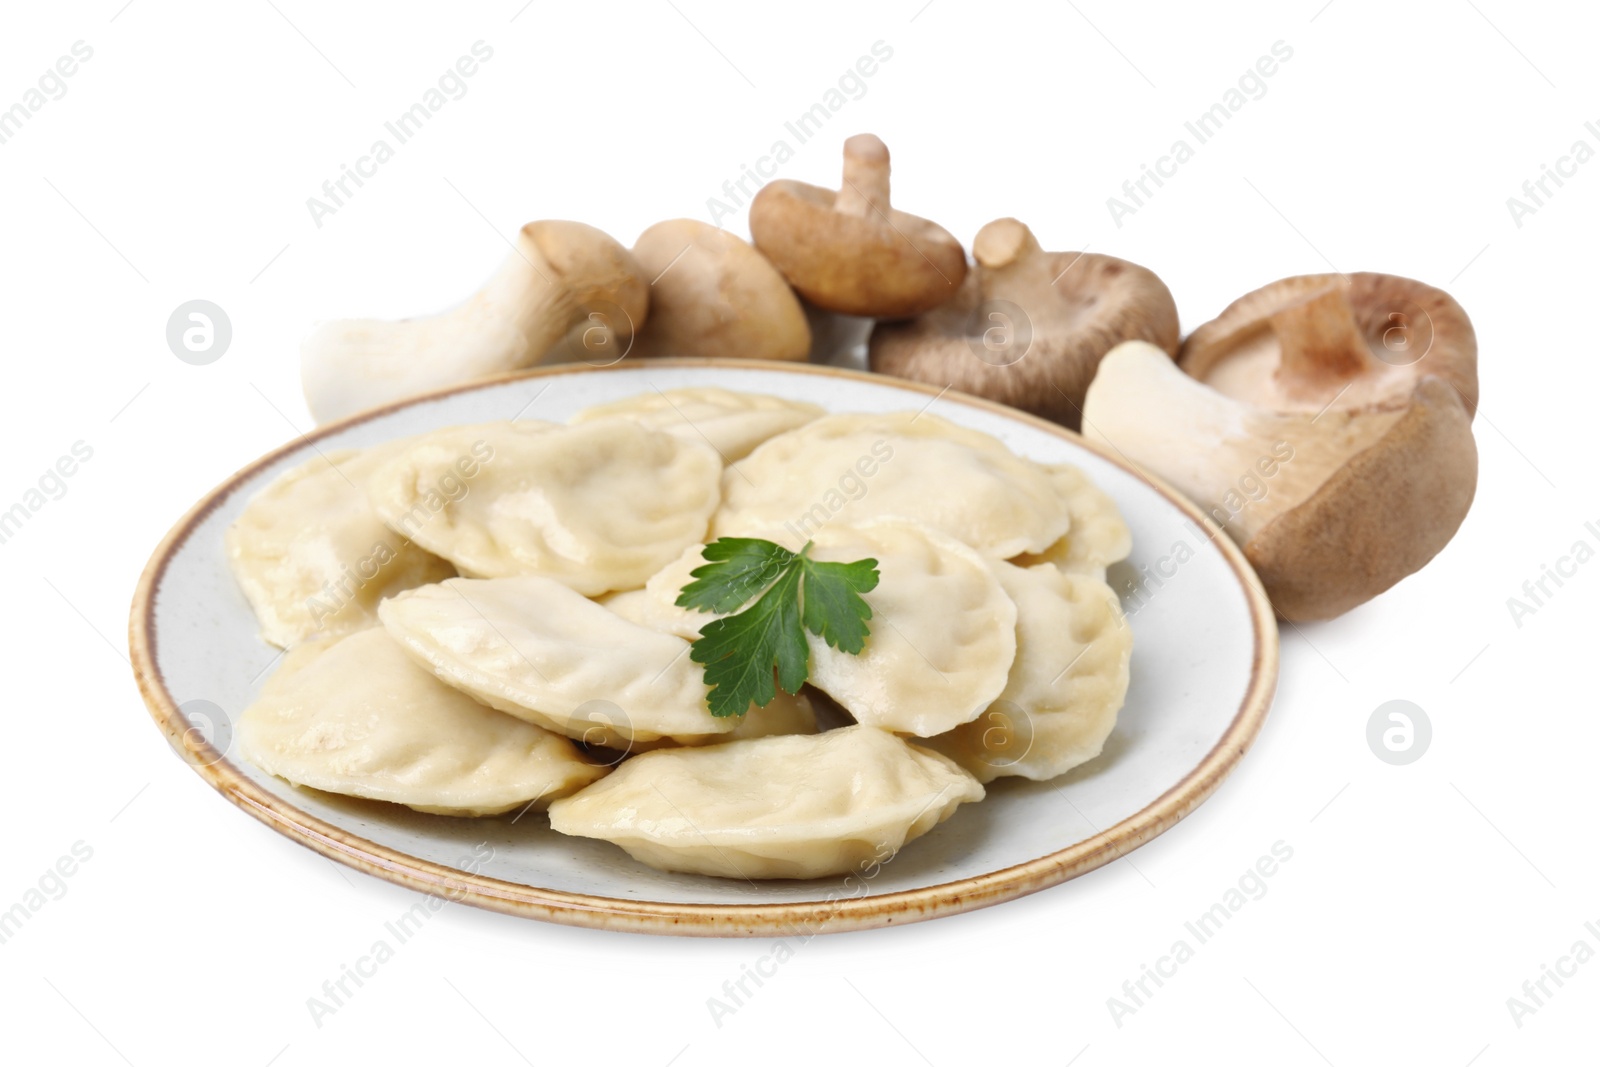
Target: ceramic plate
1203,671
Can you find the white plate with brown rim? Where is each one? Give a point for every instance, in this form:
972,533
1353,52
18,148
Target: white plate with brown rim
1204,668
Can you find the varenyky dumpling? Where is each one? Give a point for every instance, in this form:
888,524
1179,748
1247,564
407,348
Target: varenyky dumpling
732,423
1098,536
787,713
942,629
600,506
536,649
940,640
1065,688
644,608
656,605
943,632
312,556
354,715
801,806
849,469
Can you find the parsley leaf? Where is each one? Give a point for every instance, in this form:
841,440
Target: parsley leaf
740,651
792,594
833,609
740,568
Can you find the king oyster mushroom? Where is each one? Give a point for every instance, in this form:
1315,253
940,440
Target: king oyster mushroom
559,274
850,252
1029,327
1332,504
713,295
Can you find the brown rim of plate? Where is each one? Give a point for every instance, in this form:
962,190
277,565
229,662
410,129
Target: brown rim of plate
709,920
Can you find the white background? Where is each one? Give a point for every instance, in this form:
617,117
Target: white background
177,166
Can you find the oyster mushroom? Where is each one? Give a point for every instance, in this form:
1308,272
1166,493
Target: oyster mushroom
1029,327
1358,340
712,294
560,274
849,251
1330,507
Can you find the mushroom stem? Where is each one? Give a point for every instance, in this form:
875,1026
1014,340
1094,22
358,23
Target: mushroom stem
555,271
846,250
1003,242
1320,342
866,177
1000,245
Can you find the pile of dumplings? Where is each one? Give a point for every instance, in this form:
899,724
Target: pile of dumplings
482,620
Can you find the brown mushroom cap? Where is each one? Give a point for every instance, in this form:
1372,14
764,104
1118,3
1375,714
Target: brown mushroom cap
594,270
1029,327
1381,515
1331,508
714,295
850,251
1351,341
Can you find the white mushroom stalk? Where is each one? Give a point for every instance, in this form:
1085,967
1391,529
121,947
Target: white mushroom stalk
559,275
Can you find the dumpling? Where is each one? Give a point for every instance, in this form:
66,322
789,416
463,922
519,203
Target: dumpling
1098,536
312,556
786,714
354,715
772,807
732,423
1066,687
943,632
656,605
848,469
598,507
644,608
536,649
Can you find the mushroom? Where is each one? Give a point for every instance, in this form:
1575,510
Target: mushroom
712,294
850,251
1029,327
1330,507
1358,340
560,274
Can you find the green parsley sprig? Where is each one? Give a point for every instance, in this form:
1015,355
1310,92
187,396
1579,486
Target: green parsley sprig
792,593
